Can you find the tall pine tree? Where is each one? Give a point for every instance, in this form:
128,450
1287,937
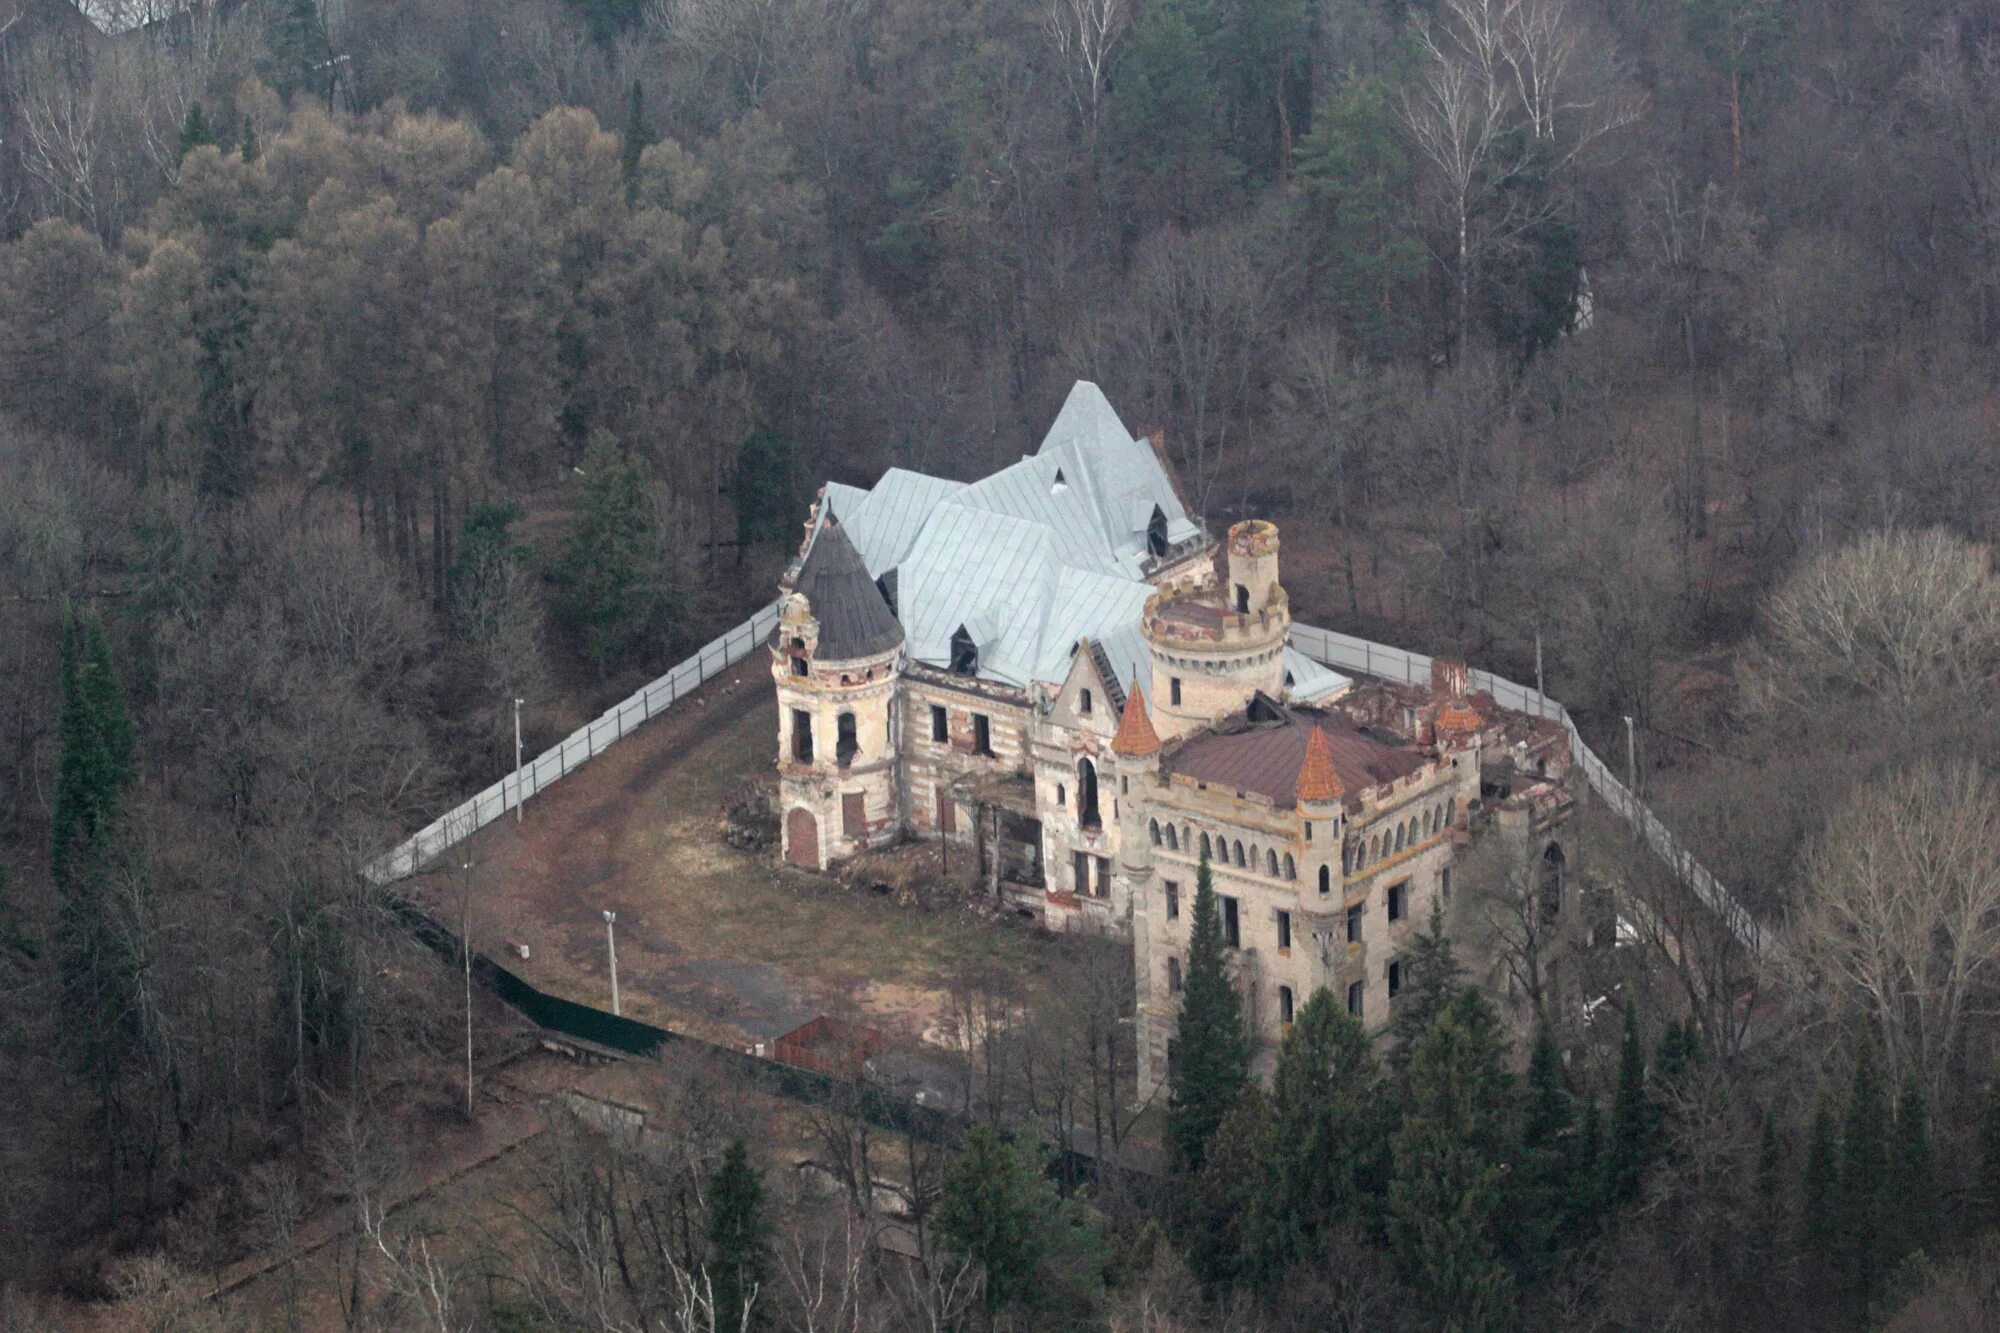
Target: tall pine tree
1864,1165
1323,1155
995,1211
1213,1052
1432,979
1541,1170
1445,1196
738,1236
611,570
96,758
1632,1118
1818,1204
1912,1203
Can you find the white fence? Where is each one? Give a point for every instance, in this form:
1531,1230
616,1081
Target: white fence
576,750
1345,653
1342,652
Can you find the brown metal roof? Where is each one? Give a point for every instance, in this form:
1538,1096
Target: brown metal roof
1265,757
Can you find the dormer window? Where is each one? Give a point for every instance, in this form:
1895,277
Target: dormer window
1061,482
1156,532
964,653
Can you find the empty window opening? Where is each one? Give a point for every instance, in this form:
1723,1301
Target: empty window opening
1553,867
940,724
1271,864
802,736
1355,995
1205,852
1173,839
1326,879
799,667
846,744
1173,982
1291,867
1174,689
1083,703
1173,901
1395,977
1153,831
1242,600
1103,887
1399,901
1156,532
1232,931
1285,1005
1285,930
1086,794
982,735
1239,853
1354,924
964,653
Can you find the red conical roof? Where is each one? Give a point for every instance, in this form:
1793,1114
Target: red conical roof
1136,737
1318,784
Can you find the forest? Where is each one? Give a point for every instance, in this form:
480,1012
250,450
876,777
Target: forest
367,366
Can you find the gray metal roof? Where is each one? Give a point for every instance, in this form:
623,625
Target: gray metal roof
854,620
1044,552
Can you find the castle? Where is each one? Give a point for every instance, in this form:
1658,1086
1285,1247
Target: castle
1044,669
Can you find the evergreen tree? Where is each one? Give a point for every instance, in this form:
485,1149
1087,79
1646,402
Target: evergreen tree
1213,1061
1163,107
737,1236
96,758
1770,1183
996,1211
1584,1196
632,147
1912,1204
1262,56
1986,1189
1432,980
1818,1224
1323,1153
611,570
1632,1120
250,149
1214,1207
295,37
1541,1173
1445,1194
195,132
1864,1164
1353,183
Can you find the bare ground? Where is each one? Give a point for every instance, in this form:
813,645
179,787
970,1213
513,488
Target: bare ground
718,943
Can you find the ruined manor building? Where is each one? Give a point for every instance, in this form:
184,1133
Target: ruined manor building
1048,669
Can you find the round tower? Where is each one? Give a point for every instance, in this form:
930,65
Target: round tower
836,658
1213,648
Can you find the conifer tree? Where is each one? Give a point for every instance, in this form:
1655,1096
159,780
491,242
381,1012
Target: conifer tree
249,148
1322,1155
1911,1211
1864,1163
1213,1211
96,758
1770,1181
737,1237
638,135
1445,1194
611,567
1986,1189
1632,1120
1432,979
1584,1192
1541,1174
1213,1061
195,132
1818,1221
994,1210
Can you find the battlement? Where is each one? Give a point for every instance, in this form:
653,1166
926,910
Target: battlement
1196,618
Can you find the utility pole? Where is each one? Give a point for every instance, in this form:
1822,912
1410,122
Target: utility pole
611,944
517,762
1631,762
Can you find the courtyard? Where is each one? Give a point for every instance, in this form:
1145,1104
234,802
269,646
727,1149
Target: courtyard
715,942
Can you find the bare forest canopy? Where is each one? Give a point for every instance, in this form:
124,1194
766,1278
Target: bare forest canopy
368,366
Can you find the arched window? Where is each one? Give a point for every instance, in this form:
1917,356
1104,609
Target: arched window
1347,860
1086,794
1206,853
1062,796
1153,829
1242,600
846,743
1173,839
1441,820
1326,879
1374,849
1083,706
1239,852
1413,830
1271,864
1554,873
1291,867
1399,838
1450,807
1427,823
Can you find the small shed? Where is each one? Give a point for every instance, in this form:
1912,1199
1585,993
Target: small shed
828,1046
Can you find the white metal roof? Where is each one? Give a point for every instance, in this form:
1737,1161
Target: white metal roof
1042,553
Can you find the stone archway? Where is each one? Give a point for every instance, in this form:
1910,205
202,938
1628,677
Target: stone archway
802,838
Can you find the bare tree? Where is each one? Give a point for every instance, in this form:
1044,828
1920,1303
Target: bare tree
1899,912
63,133
1085,34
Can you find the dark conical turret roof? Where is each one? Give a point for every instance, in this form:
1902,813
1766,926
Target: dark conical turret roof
854,619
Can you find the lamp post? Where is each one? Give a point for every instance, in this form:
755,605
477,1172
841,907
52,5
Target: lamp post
611,944
465,953
517,760
1631,760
